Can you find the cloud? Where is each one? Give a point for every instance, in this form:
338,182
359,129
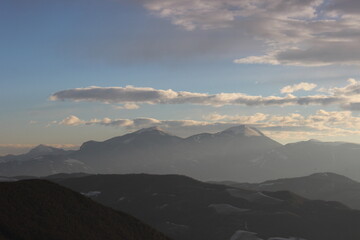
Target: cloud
347,97
343,7
131,106
210,14
320,121
133,96
129,123
295,32
353,106
128,106
353,88
290,126
253,119
319,53
297,87
72,120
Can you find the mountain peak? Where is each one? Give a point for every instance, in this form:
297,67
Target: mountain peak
155,130
243,130
44,150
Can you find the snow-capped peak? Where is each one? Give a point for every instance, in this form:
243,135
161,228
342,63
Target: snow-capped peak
243,130
42,149
150,130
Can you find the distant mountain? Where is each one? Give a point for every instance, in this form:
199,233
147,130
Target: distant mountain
322,186
227,154
145,150
205,156
41,210
36,152
41,161
240,153
307,157
184,208
42,150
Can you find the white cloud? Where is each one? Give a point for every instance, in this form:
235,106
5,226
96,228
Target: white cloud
72,120
353,88
130,123
131,106
253,119
128,106
297,87
322,123
321,120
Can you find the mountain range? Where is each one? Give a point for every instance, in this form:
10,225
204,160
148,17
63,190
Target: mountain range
241,153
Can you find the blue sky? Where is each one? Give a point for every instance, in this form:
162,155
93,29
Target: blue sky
204,48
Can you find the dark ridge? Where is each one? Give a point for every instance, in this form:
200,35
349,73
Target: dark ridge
184,208
38,209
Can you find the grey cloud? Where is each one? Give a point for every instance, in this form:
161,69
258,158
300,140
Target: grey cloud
318,54
112,94
321,100
130,94
354,106
208,14
344,6
299,33
144,44
324,53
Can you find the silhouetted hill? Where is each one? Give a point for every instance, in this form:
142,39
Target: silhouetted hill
41,210
184,208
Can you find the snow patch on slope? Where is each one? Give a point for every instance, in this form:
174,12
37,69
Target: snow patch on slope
224,208
92,194
72,161
151,129
243,131
254,197
244,235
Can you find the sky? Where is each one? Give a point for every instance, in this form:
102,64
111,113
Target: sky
73,71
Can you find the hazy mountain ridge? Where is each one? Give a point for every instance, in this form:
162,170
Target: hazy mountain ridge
185,208
308,157
38,151
239,153
323,186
